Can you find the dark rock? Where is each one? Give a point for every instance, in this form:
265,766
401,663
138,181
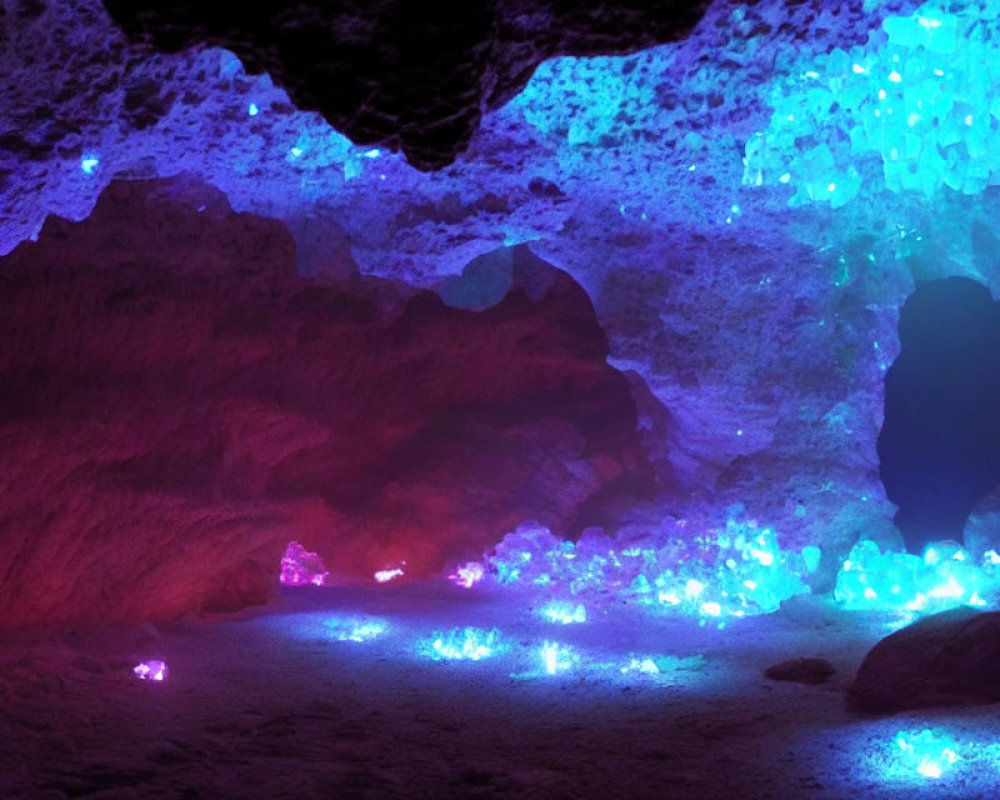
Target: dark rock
946,659
801,670
404,75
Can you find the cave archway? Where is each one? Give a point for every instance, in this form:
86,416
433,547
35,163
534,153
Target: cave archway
940,442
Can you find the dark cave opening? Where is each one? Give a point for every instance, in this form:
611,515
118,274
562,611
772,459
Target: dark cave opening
940,442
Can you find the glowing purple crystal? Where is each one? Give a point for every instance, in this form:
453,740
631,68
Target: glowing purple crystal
388,574
468,574
154,670
299,567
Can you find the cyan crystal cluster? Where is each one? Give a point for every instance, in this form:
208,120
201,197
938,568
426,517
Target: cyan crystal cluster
922,97
930,753
463,644
737,571
946,576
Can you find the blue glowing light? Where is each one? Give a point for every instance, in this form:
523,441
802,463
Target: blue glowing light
461,644
930,753
89,163
253,110
944,578
733,572
644,666
373,153
356,630
906,97
558,658
564,612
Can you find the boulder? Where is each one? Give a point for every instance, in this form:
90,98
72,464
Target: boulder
947,659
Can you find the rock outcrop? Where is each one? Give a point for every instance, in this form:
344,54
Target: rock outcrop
179,404
947,659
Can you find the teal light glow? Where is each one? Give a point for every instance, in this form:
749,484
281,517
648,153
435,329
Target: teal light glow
907,101
737,571
356,630
463,644
89,163
930,753
643,666
558,658
253,110
945,577
564,612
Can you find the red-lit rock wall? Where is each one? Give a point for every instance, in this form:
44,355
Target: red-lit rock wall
178,404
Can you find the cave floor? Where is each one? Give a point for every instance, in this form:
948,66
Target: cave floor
272,705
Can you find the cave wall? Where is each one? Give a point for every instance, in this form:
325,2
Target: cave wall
179,404
744,223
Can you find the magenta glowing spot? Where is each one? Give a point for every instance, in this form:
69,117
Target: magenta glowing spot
299,567
154,670
468,575
386,575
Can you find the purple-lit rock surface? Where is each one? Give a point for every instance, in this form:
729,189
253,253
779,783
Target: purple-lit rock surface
178,405
747,271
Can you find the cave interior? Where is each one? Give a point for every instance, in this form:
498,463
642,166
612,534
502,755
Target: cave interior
521,399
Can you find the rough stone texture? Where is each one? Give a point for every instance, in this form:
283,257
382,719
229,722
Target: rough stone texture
801,670
398,74
755,337
178,405
947,659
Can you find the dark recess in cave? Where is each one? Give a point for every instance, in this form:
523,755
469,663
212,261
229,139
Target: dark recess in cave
940,444
402,75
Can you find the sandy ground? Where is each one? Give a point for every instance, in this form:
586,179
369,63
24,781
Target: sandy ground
271,705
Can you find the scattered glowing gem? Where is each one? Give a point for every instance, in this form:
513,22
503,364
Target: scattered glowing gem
154,670
253,110
930,753
645,666
356,630
895,77
386,575
557,658
295,152
299,567
564,612
373,153
468,575
88,164
463,644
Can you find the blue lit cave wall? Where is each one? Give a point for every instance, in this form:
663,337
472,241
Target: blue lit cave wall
745,207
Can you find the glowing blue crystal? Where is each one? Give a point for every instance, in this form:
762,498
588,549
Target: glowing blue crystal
460,644
930,753
564,612
356,630
558,658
